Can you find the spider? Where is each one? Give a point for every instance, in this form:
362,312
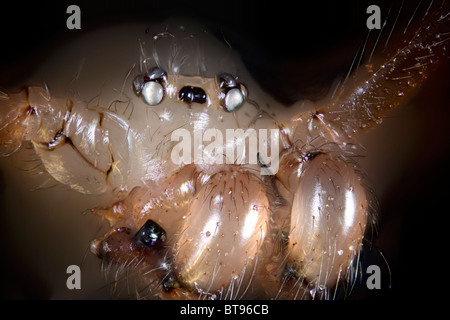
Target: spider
221,230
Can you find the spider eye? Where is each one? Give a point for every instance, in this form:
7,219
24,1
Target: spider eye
150,234
190,94
232,94
226,81
233,99
152,93
138,82
156,74
150,86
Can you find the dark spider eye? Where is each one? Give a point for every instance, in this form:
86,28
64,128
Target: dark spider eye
232,92
190,94
150,234
151,86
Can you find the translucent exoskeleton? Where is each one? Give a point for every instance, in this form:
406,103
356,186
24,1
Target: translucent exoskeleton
211,188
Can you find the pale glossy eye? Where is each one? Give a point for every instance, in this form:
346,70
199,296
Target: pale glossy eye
152,93
232,94
234,99
150,86
226,81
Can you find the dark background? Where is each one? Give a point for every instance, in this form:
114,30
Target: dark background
267,33
295,50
